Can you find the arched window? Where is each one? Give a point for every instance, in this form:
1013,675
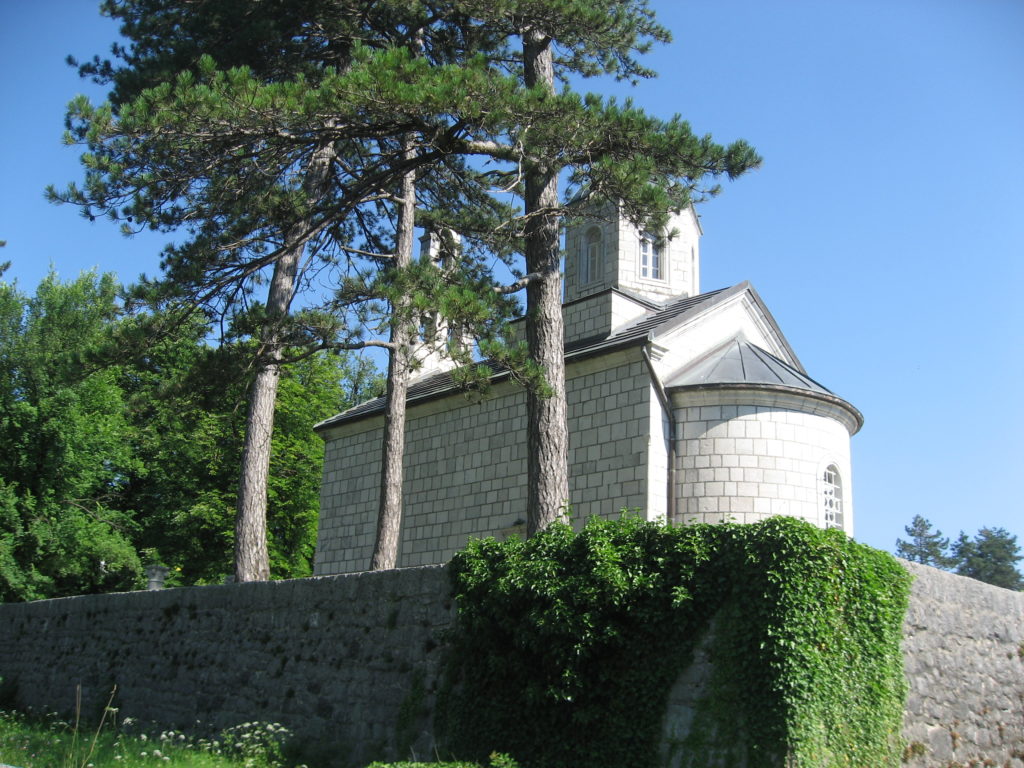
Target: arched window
590,263
832,488
650,257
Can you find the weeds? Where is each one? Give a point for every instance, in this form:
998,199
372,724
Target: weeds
48,741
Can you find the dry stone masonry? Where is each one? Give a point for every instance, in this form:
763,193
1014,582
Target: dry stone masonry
351,663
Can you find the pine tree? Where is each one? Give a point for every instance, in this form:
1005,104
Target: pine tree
507,110
219,148
217,151
924,546
991,557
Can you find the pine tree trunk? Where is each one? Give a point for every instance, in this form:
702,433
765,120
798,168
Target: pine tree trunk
252,560
547,425
389,515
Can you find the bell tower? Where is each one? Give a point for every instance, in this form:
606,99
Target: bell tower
437,339
603,250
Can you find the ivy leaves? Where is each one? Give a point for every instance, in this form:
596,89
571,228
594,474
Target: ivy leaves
567,645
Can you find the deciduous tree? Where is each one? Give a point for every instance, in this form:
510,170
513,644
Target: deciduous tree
111,456
64,445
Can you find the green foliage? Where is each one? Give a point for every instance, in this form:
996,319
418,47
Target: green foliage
117,448
924,546
64,446
188,405
567,644
496,761
991,557
50,742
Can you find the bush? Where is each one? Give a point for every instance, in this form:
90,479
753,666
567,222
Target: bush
566,645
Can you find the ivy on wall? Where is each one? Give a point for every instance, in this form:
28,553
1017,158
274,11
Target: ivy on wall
566,646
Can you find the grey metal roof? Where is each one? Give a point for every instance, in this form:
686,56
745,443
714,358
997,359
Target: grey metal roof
670,314
739,361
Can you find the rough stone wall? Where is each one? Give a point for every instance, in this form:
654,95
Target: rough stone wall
963,644
465,463
963,651
349,663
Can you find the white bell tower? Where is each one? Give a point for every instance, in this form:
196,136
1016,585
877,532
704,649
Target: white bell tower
603,250
432,349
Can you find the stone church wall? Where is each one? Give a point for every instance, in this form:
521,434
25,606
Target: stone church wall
465,462
746,462
351,663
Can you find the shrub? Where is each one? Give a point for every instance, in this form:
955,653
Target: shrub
566,645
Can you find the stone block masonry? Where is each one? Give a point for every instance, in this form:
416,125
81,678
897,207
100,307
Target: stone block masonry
351,663
465,464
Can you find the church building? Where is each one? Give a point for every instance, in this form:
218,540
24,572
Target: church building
683,406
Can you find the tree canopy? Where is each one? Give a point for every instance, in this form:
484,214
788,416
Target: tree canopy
289,151
991,556
924,545
112,457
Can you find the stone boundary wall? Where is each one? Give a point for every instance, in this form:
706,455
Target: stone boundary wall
351,663
348,663
963,648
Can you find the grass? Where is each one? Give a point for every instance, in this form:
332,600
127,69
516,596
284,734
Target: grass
29,741
49,742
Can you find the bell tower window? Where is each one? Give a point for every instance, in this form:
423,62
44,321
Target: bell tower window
590,263
651,266
832,486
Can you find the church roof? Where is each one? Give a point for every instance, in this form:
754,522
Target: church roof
738,361
669,316
740,364
641,329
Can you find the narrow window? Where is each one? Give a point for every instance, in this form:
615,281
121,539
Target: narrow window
650,257
590,264
832,485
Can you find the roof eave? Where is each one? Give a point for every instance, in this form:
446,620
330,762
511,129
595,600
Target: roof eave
854,420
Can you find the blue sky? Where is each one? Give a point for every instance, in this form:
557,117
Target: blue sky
885,230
